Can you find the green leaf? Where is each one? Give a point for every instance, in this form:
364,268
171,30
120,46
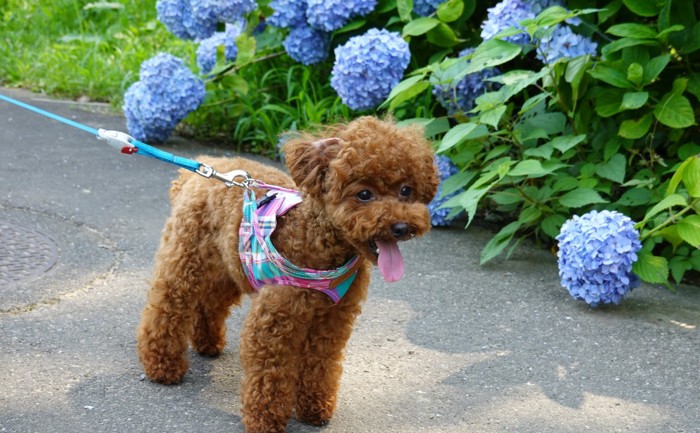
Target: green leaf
461,133
691,177
566,142
581,197
246,49
689,230
651,268
469,200
528,167
629,30
499,242
450,10
679,266
544,151
403,86
607,103
654,67
442,35
670,235
644,8
493,116
611,76
635,197
552,16
677,177
614,169
420,26
635,73
675,111
551,226
408,94
665,203
404,8
634,129
529,214
488,54
633,100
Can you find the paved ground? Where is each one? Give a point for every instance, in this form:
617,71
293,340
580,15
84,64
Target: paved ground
454,347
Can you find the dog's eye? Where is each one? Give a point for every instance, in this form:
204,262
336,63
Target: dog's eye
405,191
365,195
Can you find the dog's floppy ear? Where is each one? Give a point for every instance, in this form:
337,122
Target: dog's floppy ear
308,159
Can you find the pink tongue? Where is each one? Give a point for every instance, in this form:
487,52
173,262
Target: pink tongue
390,260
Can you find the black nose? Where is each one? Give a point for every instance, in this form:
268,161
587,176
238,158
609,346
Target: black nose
400,230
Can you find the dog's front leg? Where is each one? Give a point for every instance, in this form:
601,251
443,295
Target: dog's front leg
321,367
271,341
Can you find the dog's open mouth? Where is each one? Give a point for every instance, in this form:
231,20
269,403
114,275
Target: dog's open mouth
389,259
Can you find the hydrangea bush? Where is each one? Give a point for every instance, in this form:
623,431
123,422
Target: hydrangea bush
544,109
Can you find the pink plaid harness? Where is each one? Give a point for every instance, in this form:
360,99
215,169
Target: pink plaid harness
264,265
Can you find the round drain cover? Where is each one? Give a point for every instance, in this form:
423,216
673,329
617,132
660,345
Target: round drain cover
24,253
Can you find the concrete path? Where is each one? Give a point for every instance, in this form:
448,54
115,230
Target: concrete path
453,347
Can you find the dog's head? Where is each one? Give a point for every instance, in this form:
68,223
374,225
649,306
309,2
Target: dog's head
374,180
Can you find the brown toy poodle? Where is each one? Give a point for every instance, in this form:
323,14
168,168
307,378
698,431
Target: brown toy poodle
364,186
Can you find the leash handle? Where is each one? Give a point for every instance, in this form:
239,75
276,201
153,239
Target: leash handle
129,145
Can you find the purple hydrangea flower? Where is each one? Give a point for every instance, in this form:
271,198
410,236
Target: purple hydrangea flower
307,45
426,7
368,66
165,94
596,254
329,15
206,51
438,215
564,43
460,97
198,19
287,13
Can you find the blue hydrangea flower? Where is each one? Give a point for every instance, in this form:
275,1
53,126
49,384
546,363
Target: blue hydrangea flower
307,45
165,94
287,13
439,216
368,66
426,7
596,254
206,51
507,13
198,19
460,97
329,15
564,43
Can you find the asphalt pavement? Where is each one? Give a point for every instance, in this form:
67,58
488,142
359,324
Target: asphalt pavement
453,347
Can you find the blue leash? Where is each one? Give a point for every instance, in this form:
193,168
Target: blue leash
129,145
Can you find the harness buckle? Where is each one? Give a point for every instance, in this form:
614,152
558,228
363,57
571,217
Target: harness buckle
239,178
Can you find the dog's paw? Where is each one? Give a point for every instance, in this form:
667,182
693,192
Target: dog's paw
166,373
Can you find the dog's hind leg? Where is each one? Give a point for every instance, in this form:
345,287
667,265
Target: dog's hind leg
209,335
167,320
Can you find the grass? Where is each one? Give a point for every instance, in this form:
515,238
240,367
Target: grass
81,49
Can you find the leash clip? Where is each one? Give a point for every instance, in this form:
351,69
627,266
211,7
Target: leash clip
118,140
239,178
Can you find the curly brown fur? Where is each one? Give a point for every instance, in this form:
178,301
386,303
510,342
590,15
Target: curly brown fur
293,339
